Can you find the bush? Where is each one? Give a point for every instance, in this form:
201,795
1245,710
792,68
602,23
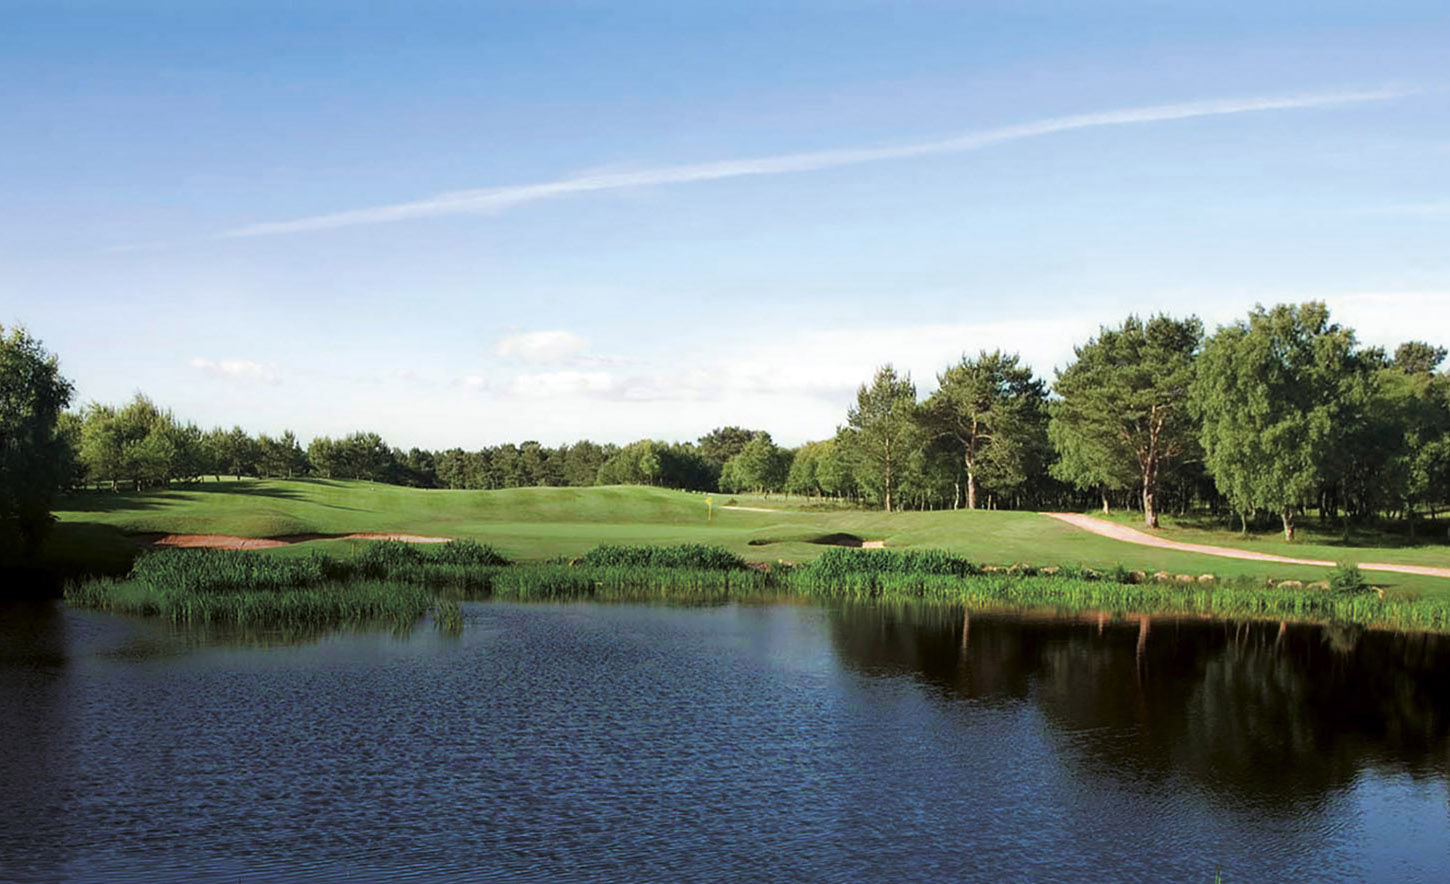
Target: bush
1347,579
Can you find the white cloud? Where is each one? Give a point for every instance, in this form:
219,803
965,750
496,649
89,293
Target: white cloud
808,374
497,199
831,364
541,346
799,384
563,383
1388,319
236,369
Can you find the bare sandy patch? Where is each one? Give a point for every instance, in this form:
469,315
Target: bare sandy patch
216,541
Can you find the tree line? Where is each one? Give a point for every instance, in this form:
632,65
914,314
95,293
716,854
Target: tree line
1275,414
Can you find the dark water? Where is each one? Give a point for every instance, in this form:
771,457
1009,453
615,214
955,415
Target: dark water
775,743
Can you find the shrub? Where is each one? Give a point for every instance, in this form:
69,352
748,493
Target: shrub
1347,579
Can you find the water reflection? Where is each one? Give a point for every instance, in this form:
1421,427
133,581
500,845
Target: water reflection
1275,713
36,733
741,743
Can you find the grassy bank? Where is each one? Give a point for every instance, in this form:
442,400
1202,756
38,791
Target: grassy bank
399,584
97,530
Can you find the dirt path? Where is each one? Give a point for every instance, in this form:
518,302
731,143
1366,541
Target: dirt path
226,541
1132,535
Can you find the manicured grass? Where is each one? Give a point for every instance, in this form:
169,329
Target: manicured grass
536,524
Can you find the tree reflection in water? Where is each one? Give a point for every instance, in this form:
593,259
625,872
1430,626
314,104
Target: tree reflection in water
1272,715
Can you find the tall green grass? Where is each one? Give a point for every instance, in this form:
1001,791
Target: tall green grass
847,564
399,583
691,556
319,606
583,582
388,582
881,574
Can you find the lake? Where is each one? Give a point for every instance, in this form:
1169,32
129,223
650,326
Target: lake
742,743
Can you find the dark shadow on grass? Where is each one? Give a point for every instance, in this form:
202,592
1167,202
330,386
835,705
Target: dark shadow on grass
109,501
847,540
83,549
1313,532
129,501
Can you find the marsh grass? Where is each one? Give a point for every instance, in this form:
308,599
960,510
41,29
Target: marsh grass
320,606
623,582
851,575
388,582
685,556
393,582
396,583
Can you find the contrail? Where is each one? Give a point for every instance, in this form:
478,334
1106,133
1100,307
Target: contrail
495,199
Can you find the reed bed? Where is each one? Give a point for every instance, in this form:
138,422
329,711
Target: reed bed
399,583
1077,594
389,582
859,575
619,582
688,556
323,605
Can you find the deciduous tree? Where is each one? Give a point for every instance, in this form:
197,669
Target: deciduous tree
882,431
993,408
1124,407
32,455
1278,396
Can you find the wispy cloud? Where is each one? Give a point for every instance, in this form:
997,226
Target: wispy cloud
236,369
541,346
563,383
497,199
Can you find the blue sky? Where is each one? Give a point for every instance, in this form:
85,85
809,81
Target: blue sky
466,223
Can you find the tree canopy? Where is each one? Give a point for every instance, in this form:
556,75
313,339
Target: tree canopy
1279,396
993,408
882,430
33,455
1279,412
1124,408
